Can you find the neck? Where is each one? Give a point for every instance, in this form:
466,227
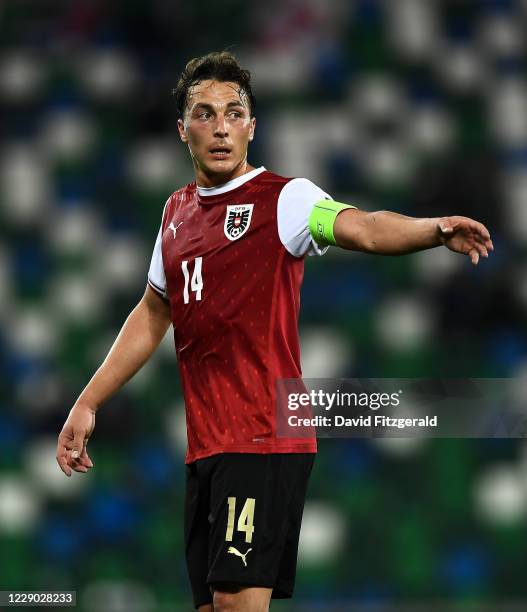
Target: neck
208,179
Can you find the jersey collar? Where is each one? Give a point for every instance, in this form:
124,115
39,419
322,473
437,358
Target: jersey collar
230,185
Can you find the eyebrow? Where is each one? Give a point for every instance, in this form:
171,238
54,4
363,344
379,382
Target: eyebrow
210,107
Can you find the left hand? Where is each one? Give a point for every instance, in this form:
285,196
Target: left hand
464,235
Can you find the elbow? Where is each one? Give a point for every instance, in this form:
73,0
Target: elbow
370,246
369,234
358,235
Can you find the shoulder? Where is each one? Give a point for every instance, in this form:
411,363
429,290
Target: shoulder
303,189
290,186
271,179
183,194
295,205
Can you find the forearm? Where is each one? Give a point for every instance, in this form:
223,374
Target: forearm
140,335
385,232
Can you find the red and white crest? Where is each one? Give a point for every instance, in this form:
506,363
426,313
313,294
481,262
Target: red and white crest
237,220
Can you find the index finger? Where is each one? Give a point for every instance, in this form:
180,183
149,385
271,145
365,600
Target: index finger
482,230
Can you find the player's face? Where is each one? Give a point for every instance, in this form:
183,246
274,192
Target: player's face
217,126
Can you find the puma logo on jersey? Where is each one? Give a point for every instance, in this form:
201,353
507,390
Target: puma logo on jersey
174,229
236,552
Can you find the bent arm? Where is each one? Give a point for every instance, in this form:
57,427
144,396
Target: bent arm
140,335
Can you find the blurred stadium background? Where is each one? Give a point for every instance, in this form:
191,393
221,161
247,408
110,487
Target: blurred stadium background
409,105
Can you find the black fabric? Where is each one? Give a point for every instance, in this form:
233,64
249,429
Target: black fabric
278,484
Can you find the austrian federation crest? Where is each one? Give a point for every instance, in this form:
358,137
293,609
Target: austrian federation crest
237,220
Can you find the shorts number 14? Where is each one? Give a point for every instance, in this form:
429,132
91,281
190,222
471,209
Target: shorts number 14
245,520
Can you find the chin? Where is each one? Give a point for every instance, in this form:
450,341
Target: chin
221,166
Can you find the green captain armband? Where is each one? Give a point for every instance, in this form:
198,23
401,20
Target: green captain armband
322,218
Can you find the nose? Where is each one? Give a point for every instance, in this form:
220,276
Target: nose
220,128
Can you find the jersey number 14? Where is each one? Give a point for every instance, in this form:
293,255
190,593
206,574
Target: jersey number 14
196,282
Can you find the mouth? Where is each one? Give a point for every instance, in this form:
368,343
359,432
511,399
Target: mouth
220,152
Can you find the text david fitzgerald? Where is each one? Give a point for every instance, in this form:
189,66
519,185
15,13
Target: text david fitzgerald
376,420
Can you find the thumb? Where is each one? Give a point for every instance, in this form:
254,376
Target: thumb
78,444
445,227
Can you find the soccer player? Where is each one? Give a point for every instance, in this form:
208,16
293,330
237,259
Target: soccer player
226,273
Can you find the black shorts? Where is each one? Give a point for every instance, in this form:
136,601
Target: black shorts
242,520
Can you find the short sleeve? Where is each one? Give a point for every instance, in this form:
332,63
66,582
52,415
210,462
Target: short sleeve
295,203
156,272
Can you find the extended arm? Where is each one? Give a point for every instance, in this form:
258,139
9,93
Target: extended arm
388,233
140,335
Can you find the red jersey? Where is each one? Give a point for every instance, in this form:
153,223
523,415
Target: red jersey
234,292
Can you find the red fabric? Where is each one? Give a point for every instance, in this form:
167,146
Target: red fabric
242,335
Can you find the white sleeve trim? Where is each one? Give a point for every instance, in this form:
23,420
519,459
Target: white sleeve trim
156,272
295,203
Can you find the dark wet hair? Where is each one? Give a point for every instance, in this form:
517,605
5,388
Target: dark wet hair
218,66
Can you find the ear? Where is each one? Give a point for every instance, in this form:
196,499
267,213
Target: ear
252,128
181,130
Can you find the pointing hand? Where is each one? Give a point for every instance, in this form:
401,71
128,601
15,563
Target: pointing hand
464,235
